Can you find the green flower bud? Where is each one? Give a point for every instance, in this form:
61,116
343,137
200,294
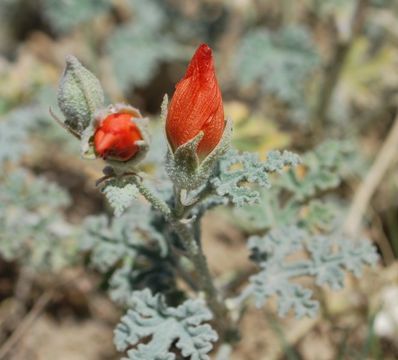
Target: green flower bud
79,96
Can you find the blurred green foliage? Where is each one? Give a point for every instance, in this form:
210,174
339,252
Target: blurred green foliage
65,15
272,57
281,62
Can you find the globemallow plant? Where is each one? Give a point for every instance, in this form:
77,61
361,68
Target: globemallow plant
147,247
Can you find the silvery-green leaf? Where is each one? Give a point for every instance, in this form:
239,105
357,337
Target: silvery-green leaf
116,245
65,15
120,195
32,231
280,63
324,169
183,326
240,171
14,133
280,257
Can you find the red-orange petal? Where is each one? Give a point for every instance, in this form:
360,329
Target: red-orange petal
116,137
197,105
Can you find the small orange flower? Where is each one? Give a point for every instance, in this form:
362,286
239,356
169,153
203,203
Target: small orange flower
116,137
197,105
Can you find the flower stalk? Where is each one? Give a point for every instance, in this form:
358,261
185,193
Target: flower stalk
157,203
223,323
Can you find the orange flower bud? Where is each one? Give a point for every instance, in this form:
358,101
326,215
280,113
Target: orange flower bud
116,137
197,105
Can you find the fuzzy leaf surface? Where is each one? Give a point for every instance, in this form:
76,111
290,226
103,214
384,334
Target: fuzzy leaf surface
65,15
111,241
120,195
149,316
31,229
14,133
138,48
328,257
323,170
280,62
129,246
240,171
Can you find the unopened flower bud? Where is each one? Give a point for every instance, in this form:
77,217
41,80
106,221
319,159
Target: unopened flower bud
116,137
197,105
196,129
120,136
80,95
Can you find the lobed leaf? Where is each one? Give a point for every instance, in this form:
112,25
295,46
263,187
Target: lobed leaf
328,257
120,195
150,318
323,169
130,247
240,171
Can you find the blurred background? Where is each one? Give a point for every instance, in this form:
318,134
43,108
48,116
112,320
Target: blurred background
294,74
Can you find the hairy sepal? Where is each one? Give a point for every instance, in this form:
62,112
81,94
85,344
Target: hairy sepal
186,169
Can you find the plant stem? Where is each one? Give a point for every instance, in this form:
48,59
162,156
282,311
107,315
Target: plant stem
157,203
335,67
223,323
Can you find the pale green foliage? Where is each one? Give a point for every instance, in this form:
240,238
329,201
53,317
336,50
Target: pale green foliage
321,170
111,242
14,133
120,195
119,245
19,126
31,229
328,256
320,215
149,316
280,62
240,171
324,168
108,244
64,15
273,211
298,226
140,46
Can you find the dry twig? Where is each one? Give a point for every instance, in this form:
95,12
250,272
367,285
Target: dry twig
363,195
26,324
